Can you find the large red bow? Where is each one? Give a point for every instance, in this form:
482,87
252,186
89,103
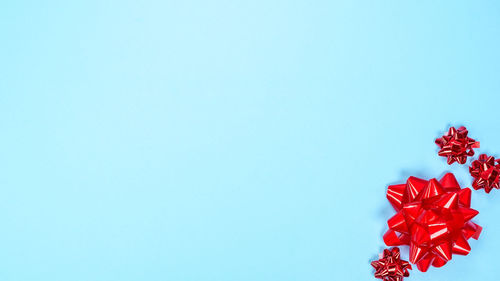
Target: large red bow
433,218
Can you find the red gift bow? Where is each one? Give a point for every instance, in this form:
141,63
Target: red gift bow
456,145
485,171
433,218
390,267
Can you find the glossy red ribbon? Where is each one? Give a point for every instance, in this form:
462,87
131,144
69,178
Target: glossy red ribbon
433,218
456,145
390,266
485,171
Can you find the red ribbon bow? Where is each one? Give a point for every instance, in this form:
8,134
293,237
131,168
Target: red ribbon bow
456,145
433,218
485,171
390,267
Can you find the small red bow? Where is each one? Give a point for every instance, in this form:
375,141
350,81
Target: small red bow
456,145
390,267
485,171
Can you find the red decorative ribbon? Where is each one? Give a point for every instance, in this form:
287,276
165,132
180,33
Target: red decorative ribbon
485,171
390,267
433,218
456,145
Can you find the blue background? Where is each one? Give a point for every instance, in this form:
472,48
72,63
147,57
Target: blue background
233,140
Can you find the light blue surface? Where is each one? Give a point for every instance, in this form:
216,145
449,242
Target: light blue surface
233,140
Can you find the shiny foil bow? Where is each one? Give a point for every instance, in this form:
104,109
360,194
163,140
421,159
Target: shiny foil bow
390,267
485,171
433,218
456,145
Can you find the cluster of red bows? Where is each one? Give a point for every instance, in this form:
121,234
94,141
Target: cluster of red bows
456,145
390,267
434,217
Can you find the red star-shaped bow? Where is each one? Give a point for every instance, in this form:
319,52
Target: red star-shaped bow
390,267
456,145
485,171
433,218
